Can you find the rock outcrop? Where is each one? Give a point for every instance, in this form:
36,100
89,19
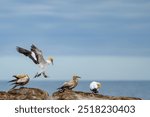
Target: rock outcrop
24,94
78,95
38,94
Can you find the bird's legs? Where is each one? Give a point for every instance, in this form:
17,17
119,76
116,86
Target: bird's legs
44,74
14,86
37,75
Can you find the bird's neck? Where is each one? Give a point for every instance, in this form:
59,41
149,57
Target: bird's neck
48,61
76,81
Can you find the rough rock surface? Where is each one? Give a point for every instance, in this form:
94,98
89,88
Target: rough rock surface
38,94
24,94
78,95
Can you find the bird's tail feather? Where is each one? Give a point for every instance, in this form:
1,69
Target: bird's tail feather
12,80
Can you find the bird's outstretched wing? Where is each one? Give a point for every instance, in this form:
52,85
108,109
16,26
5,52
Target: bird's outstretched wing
38,54
35,49
28,53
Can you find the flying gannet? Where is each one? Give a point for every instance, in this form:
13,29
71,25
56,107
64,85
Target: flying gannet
20,80
36,56
94,86
70,84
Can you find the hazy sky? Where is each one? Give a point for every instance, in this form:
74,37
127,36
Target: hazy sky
96,39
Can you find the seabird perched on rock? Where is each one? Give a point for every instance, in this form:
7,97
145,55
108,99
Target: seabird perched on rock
36,56
70,84
94,86
20,80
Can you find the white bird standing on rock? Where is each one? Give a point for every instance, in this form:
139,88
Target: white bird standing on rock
20,80
37,57
94,86
70,84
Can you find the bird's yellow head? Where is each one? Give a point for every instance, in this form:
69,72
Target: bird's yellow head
27,75
99,85
75,77
50,60
21,76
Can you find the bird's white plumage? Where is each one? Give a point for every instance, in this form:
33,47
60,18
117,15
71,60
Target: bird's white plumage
94,85
33,55
22,80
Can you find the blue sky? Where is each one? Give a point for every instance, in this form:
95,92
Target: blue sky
98,39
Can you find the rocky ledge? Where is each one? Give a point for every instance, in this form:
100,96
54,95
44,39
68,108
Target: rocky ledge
24,94
78,95
38,94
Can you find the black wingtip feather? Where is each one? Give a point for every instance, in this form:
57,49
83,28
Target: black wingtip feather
23,51
13,80
33,46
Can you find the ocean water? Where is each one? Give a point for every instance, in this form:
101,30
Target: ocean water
139,89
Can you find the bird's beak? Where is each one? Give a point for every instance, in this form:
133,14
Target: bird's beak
79,77
52,62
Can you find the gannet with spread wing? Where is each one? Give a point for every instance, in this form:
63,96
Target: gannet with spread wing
36,56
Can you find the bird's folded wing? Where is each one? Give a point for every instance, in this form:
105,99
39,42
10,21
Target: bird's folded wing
21,75
22,80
